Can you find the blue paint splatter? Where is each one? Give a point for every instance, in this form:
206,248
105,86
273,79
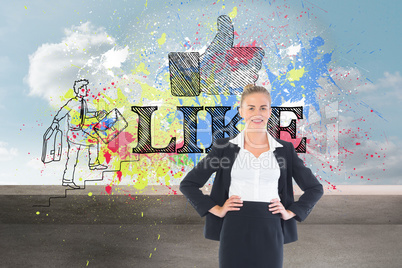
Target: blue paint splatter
315,66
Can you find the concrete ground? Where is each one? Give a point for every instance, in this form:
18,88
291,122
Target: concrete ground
165,231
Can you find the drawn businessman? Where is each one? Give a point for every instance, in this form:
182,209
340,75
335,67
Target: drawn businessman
78,133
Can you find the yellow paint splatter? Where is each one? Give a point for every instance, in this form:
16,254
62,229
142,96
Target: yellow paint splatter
178,175
90,194
162,40
87,262
140,68
142,214
295,75
69,94
146,3
233,14
37,212
25,7
150,255
159,236
162,170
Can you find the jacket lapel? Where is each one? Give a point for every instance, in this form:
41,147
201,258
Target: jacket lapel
280,155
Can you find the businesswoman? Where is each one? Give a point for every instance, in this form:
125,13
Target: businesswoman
251,208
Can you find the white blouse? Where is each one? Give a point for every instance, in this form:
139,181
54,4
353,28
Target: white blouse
255,178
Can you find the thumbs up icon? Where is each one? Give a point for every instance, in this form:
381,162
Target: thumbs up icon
222,69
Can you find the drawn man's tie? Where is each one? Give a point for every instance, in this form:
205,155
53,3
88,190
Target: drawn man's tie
83,112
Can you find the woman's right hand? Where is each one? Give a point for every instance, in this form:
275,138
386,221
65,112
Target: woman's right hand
231,204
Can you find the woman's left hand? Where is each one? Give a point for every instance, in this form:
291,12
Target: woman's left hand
277,207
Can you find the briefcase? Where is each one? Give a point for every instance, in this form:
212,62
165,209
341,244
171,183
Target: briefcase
110,126
52,145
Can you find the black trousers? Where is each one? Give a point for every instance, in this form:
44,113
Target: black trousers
251,238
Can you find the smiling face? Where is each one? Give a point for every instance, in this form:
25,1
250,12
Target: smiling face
256,110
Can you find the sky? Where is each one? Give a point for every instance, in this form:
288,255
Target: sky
46,46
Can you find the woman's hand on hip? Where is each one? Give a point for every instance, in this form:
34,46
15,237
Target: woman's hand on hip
277,207
231,204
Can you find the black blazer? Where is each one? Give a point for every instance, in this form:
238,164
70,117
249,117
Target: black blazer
220,160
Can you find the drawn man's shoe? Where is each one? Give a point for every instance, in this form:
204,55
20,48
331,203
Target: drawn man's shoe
97,166
70,184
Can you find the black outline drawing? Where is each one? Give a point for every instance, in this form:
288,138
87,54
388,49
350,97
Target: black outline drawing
276,128
189,129
219,128
85,183
144,132
222,69
108,126
52,144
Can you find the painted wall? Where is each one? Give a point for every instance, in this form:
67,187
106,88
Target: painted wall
337,59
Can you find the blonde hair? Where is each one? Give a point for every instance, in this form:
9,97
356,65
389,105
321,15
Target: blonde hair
250,89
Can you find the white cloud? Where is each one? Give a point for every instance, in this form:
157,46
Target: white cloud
85,52
359,158
352,81
7,153
390,85
114,58
290,51
373,159
369,155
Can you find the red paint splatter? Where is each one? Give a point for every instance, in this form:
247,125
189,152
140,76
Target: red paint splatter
119,174
120,144
107,156
108,189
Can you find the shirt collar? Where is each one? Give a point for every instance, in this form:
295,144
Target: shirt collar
239,141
